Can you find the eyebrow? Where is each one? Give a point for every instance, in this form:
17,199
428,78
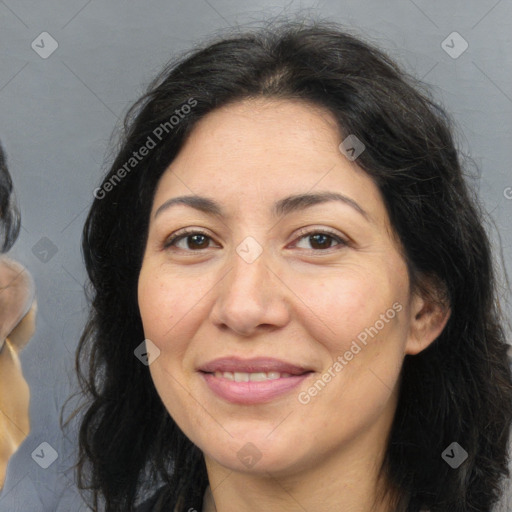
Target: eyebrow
285,206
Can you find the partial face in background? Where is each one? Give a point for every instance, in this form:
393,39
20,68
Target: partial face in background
313,287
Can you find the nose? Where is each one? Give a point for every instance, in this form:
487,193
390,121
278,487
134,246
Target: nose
251,298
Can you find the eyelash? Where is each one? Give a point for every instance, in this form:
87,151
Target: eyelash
303,233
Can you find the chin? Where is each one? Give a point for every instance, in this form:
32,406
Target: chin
257,455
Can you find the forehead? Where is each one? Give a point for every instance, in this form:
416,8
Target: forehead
256,151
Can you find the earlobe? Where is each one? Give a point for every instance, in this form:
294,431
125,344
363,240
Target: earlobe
428,319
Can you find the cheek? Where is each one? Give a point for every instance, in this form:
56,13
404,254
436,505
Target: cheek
162,303
349,304
157,307
150,297
171,308
161,308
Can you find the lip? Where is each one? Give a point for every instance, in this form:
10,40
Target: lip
252,365
252,392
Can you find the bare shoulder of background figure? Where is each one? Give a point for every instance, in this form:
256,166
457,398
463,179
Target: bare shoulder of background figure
17,325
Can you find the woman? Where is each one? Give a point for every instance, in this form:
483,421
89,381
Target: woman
17,325
287,227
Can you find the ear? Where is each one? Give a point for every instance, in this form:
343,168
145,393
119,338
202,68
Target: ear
429,314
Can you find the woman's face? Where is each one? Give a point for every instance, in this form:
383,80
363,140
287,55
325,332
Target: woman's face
303,293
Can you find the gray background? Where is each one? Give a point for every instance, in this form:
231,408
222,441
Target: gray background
57,115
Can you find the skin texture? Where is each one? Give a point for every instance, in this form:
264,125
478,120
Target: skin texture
14,390
300,301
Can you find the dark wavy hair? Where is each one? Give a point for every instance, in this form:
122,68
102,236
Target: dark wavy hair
458,389
9,213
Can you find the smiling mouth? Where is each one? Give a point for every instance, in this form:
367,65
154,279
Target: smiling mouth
249,381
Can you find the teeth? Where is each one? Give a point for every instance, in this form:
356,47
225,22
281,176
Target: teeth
241,377
256,377
253,377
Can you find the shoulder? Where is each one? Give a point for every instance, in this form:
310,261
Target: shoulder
13,272
17,294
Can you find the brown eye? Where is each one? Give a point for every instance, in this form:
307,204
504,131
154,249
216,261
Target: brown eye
319,240
197,241
189,241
